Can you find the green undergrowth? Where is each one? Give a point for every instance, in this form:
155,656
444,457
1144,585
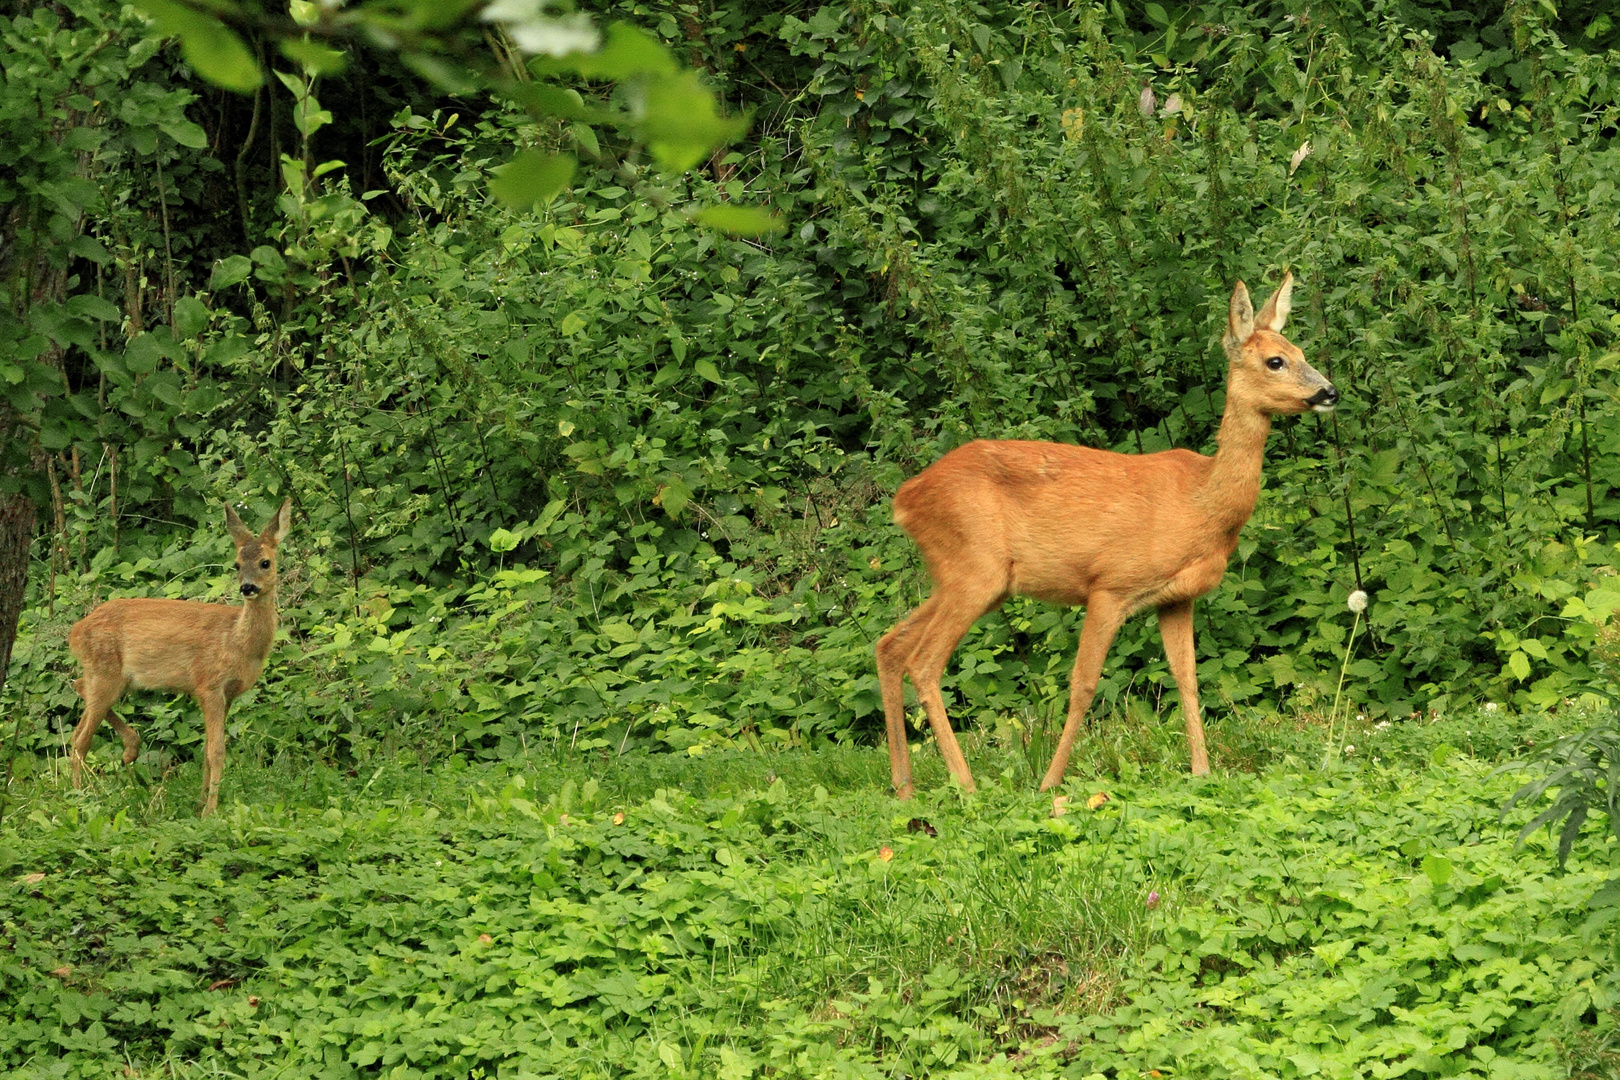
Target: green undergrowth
741,914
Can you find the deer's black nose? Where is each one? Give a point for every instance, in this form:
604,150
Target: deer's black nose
249,589
1327,397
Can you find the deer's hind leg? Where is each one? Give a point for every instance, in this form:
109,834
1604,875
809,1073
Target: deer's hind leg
952,613
99,692
893,651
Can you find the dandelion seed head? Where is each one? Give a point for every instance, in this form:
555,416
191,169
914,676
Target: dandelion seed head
1357,602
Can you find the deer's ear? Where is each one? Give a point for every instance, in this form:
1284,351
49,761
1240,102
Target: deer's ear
240,533
1275,313
276,531
1240,316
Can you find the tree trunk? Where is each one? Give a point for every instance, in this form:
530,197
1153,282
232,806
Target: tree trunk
17,513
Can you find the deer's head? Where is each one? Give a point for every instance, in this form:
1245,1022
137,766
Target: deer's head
256,553
1268,372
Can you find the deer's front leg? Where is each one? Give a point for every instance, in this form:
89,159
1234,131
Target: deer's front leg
214,708
1176,628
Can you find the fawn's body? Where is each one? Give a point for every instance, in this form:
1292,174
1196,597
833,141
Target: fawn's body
1118,533
213,652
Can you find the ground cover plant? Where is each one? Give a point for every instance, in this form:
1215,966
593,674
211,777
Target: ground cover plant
780,915
565,764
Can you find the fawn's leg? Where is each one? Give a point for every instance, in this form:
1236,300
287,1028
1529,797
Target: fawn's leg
214,708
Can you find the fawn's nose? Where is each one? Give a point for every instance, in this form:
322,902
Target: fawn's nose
249,589
1324,399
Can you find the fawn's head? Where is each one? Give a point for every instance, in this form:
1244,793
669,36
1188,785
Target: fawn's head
256,554
1267,370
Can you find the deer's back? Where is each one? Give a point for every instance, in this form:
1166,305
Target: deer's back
157,644
1057,520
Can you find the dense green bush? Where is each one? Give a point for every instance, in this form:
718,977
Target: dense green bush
599,474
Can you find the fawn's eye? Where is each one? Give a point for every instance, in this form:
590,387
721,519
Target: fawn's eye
1275,363
264,564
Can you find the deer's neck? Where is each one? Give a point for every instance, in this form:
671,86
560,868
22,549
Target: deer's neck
255,629
1233,486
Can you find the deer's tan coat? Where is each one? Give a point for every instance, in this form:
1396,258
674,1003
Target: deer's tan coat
213,652
1118,533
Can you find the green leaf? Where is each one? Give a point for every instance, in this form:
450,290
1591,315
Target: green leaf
674,496
1437,868
211,48
321,59
586,140
502,540
1156,14
190,317
679,121
1519,664
628,50
230,271
185,133
92,306
707,369
531,177
88,247
741,220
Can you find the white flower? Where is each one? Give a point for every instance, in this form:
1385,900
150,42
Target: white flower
536,29
1299,157
1357,602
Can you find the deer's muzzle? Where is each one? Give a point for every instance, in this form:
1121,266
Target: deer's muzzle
1324,399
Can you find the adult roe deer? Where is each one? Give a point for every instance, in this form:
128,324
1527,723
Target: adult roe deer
1117,533
211,651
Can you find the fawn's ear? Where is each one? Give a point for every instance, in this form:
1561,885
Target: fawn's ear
1275,313
1239,316
276,531
240,533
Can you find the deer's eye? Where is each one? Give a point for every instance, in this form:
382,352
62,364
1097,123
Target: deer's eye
264,564
1275,363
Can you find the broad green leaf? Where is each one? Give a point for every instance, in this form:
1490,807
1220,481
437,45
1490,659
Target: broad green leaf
185,133
531,177
741,220
674,496
211,48
1519,664
707,369
629,50
94,307
230,271
679,121
190,317
502,540
88,247
585,138
1437,868
321,59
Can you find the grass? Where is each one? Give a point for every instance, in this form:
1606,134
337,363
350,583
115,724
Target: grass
743,914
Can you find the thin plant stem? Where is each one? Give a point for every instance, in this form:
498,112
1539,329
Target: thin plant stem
1333,714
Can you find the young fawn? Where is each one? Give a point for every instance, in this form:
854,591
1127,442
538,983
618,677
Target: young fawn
211,651
1117,533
